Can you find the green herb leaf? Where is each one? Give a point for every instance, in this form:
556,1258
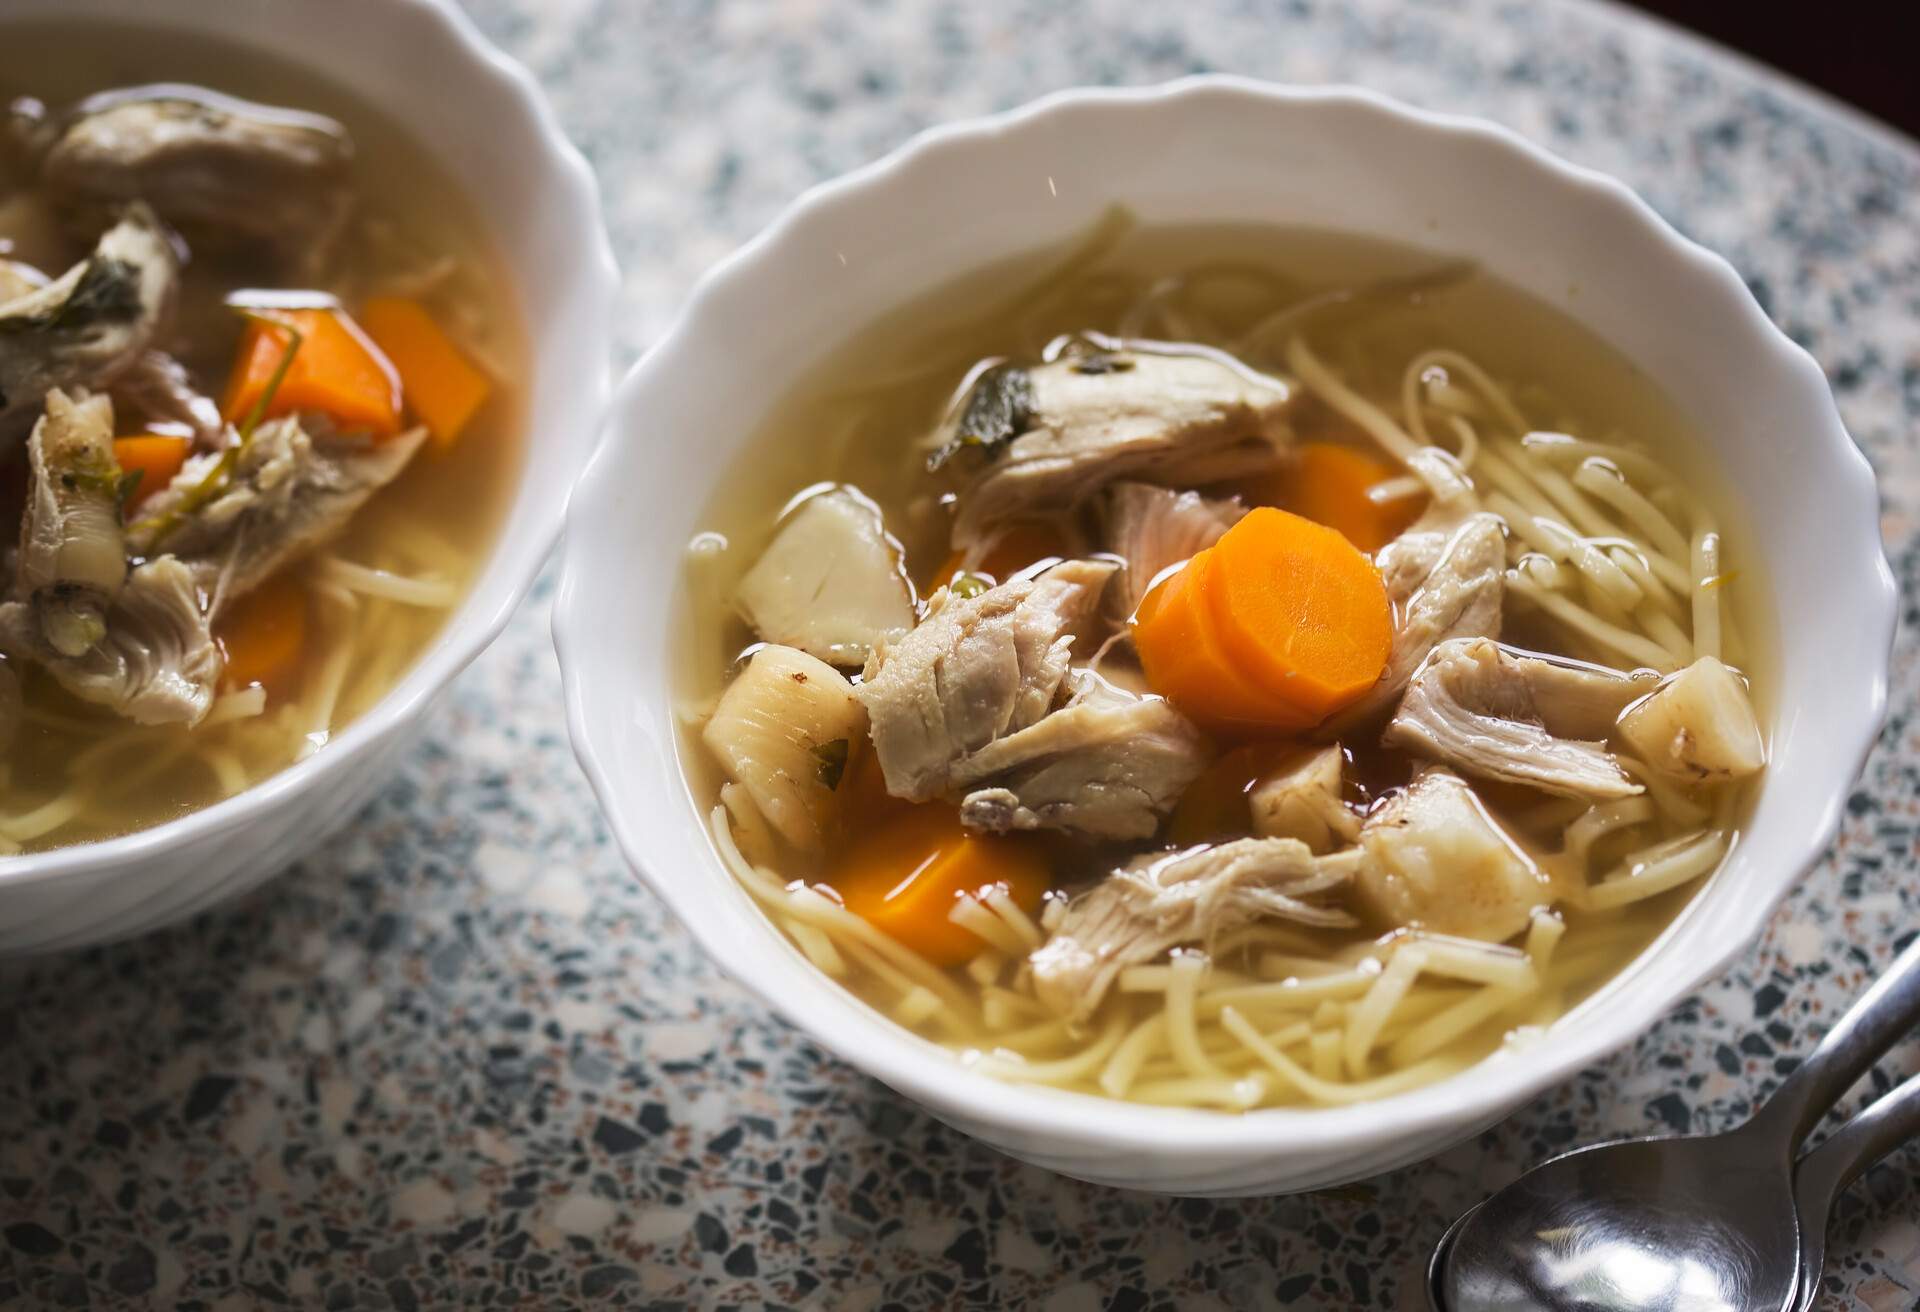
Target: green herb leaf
129,484
216,480
833,762
1103,362
968,584
999,409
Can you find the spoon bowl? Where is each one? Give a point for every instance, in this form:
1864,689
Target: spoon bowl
1654,1225
1700,1224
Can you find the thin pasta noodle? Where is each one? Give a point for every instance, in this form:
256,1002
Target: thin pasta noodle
1706,589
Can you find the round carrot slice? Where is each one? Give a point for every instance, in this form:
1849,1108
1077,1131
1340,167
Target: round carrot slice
1186,663
1301,610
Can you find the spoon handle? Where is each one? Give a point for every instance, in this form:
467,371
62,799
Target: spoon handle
1881,1017
1824,1174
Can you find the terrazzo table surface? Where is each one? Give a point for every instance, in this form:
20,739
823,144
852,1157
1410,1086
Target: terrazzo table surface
458,1059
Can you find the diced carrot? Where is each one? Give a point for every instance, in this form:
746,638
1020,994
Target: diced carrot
154,457
1180,649
1272,629
264,633
337,371
1215,807
1022,543
1329,484
1300,608
442,388
904,874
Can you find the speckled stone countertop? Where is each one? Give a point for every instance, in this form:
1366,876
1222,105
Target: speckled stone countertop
459,1059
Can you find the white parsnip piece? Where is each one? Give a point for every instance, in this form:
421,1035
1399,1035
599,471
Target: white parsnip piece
783,731
1698,727
830,582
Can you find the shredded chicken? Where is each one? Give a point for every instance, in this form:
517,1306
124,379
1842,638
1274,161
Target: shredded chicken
224,171
156,388
1436,859
1500,713
1160,902
1152,528
1090,419
90,325
72,561
156,664
975,669
1445,577
1108,764
291,487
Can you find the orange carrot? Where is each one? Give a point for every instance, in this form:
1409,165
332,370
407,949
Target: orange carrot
1329,484
904,874
443,389
337,371
1176,636
1020,544
264,633
1273,628
155,458
1299,608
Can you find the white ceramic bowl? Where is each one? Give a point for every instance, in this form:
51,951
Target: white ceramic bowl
485,121
1222,149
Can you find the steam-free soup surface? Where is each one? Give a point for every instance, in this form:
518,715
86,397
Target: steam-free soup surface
261,414
1222,667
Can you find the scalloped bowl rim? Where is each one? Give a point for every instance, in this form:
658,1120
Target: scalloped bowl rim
1459,1103
480,617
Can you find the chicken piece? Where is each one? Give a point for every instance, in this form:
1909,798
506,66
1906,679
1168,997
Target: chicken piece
1301,798
1152,528
975,669
1108,764
1436,859
156,664
1698,727
17,279
226,172
291,487
89,325
1499,713
1090,418
156,388
782,731
1445,578
73,560
1159,902
830,582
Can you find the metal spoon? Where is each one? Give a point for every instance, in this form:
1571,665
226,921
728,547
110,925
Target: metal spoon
1825,1173
1696,1224
1819,1178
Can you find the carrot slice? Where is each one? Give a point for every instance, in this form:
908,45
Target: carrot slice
1180,649
904,874
1300,609
443,388
1024,542
337,371
1329,484
152,456
264,633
